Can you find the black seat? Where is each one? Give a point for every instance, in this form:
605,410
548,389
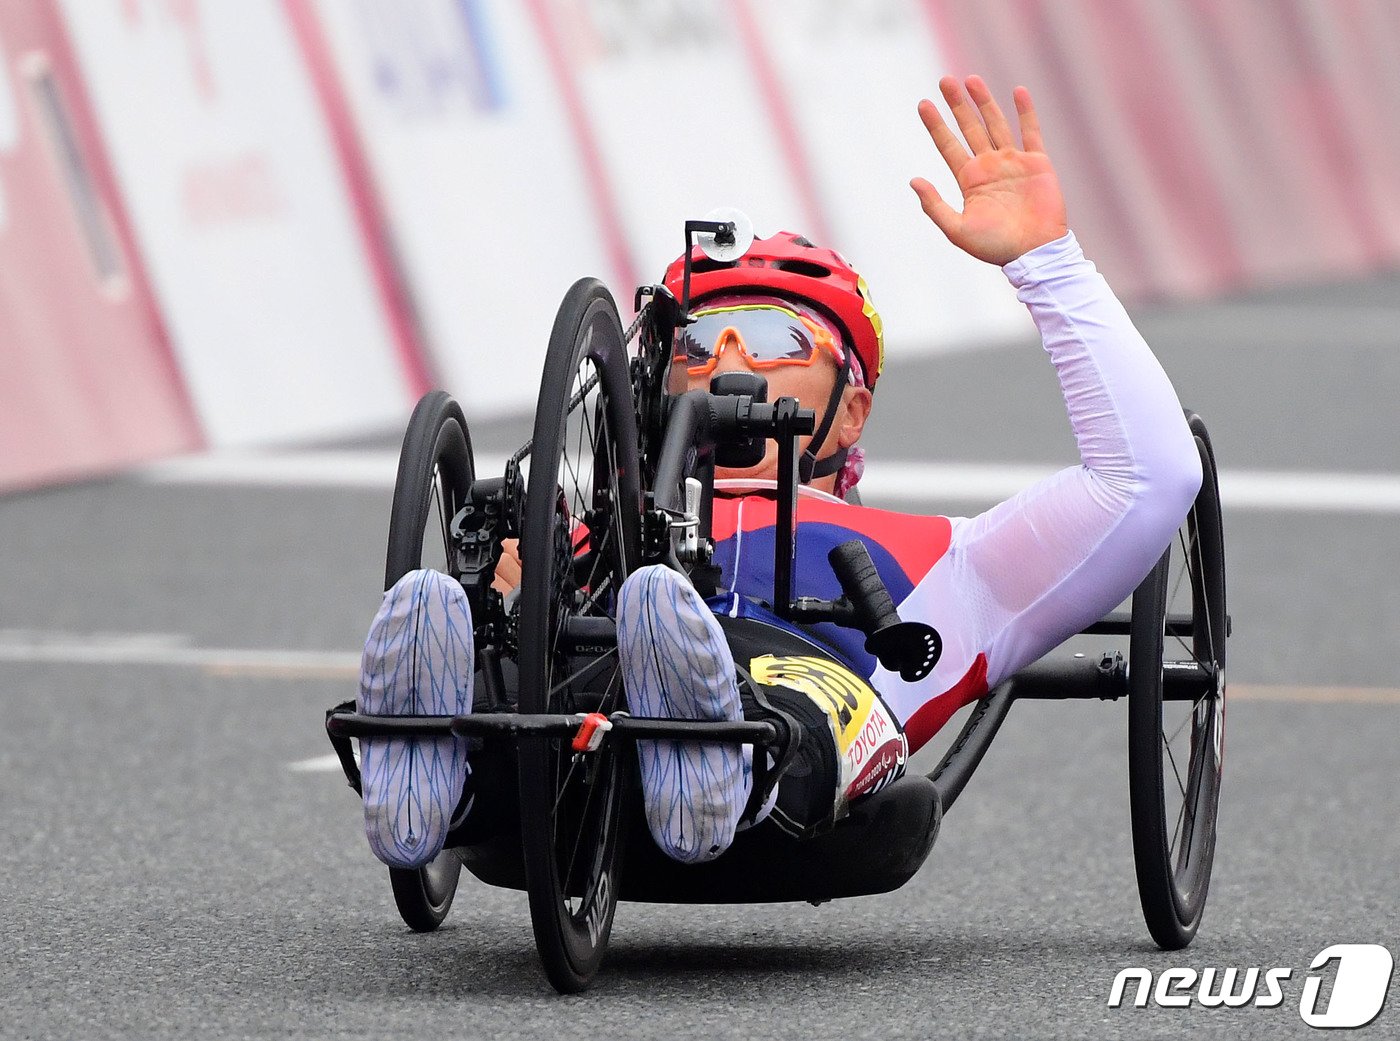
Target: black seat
877,848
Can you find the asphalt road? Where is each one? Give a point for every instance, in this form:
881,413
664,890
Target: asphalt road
167,873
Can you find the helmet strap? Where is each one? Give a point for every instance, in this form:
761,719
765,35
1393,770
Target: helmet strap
831,464
809,466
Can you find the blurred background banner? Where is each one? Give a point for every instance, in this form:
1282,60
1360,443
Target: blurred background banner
236,222
88,380
490,206
1209,145
243,215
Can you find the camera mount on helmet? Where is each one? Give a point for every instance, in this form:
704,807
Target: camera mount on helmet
724,235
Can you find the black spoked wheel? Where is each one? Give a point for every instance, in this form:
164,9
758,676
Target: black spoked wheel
1176,715
580,538
435,477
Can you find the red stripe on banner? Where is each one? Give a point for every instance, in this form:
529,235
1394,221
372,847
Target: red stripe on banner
780,114
364,202
1249,84
1164,135
1133,270
65,62
595,174
1315,99
1010,42
933,716
1370,77
945,37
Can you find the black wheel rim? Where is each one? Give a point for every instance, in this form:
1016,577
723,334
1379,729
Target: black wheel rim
1177,717
1191,732
424,895
439,877
436,471
581,538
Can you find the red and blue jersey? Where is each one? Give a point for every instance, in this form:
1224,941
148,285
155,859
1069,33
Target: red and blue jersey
904,548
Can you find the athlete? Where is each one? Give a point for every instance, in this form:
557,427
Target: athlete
1001,588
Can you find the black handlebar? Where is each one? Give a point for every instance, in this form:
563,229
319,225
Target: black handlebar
699,419
910,648
739,415
874,608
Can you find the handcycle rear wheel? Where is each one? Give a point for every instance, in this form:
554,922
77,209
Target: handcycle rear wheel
435,475
1175,748
580,538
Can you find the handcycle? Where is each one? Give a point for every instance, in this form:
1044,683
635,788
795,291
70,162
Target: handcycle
619,473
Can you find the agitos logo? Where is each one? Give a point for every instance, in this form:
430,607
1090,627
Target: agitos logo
1360,984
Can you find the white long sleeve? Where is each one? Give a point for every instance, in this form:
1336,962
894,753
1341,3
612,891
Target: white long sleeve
1034,570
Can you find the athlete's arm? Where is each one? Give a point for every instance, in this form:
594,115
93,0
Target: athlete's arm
1049,561
1036,569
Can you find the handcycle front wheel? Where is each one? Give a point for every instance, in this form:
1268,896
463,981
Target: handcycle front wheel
436,471
581,536
1175,744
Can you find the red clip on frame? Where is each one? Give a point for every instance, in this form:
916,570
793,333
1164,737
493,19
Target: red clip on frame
590,732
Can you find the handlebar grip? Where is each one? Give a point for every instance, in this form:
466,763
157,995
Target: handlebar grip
863,586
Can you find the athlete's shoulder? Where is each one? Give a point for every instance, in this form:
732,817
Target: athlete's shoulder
915,541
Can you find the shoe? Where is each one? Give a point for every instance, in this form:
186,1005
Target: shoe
677,664
418,661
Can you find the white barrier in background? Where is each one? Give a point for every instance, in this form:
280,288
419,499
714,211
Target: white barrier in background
855,71
516,145
681,125
520,144
477,174
239,208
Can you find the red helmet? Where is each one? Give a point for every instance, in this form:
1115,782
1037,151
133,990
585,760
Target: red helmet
789,265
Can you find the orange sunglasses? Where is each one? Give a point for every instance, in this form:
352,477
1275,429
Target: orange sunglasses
768,335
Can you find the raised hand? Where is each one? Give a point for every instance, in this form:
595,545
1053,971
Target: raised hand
1011,197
